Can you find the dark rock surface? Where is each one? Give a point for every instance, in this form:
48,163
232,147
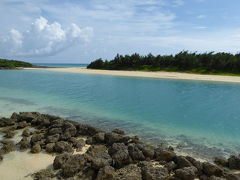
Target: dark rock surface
111,155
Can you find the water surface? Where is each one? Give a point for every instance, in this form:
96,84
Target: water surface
196,117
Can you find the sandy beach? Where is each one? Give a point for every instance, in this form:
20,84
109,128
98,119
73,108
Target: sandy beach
158,75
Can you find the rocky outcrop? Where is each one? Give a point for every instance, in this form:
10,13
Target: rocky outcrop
111,155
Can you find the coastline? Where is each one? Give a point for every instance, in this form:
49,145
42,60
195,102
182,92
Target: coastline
142,74
81,151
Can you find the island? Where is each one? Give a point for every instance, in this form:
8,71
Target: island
13,64
204,63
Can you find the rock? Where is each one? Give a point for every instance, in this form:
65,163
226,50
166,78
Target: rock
148,151
99,137
186,173
22,125
182,162
36,148
62,146
234,162
135,152
6,122
54,131
131,172
84,129
24,143
36,138
120,155
7,147
77,143
106,173
9,134
89,140
221,161
45,174
1,158
66,136
111,138
196,164
25,116
53,138
212,170
170,165
50,147
98,156
73,165
164,155
153,173
216,178
60,160
118,131
26,133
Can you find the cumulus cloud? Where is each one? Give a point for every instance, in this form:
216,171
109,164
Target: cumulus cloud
43,38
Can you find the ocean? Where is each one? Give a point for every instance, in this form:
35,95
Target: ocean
198,118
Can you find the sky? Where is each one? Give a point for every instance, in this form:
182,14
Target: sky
80,31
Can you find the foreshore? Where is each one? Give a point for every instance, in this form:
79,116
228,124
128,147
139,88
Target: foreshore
40,146
144,74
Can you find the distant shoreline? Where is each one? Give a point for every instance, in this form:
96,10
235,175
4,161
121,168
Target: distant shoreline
143,74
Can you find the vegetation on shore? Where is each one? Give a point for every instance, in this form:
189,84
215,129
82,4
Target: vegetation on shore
12,64
212,63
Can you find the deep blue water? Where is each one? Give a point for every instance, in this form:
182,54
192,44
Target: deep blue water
60,65
196,117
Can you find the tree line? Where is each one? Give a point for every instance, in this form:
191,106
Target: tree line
184,61
11,64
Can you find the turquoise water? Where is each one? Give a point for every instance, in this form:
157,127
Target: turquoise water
60,65
196,117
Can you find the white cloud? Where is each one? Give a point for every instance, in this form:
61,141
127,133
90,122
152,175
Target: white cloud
43,38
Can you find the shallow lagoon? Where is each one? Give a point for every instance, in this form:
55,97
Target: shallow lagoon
201,118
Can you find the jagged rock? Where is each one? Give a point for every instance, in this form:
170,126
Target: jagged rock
120,154
6,122
182,162
9,134
45,174
98,156
154,173
53,131
73,165
36,148
53,138
234,162
186,173
170,165
148,151
106,173
221,161
111,138
24,143
25,116
131,171
216,178
84,129
7,147
99,137
212,170
77,143
135,152
60,160
118,131
1,158
36,138
50,147
196,164
62,146
26,133
22,125
164,155
89,140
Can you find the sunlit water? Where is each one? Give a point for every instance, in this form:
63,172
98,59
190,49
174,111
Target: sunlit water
196,117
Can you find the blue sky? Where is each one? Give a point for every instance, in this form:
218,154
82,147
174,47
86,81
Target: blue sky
79,31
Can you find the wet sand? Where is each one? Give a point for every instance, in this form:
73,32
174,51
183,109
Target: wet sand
143,74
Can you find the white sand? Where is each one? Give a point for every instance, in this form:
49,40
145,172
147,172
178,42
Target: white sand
20,165
159,74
